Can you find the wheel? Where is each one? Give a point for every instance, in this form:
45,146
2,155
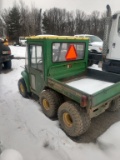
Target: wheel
96,62
90,62
114,105
8,64
73,120
50,101
22,88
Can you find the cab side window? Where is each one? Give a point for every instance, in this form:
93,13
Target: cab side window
36,57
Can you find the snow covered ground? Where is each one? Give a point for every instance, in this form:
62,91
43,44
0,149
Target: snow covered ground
25,128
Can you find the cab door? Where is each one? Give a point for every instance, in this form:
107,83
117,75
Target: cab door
36,69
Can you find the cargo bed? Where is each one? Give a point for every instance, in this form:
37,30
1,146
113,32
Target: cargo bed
89,85
99,86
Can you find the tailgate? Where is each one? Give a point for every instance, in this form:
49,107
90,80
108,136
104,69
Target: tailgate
105,94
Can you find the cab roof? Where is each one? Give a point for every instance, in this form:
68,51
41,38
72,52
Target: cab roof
56,37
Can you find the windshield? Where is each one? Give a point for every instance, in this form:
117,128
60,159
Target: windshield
94,39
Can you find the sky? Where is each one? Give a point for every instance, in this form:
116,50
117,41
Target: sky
87,6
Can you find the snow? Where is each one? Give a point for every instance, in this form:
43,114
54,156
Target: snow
89,85
11,154
97,67
24,127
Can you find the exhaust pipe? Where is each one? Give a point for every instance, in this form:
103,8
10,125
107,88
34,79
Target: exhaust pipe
106,32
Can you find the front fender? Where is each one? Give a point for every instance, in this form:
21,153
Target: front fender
26,79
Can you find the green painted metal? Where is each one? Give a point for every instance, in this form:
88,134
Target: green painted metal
25,75
39,81
66,90
67,69
106,94
54,69
94,100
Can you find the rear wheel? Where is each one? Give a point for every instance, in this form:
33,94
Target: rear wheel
50,101
22,88
8,64
114,105
73,120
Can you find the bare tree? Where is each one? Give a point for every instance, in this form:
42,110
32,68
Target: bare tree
70,24
24,14
30,20
102,26
80,22
4,23
94,22
54,21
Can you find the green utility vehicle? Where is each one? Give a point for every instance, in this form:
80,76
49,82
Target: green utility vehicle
56,70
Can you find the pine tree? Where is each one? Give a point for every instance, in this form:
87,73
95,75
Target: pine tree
46,24
13,24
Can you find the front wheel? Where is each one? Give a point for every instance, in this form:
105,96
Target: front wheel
50,101
73,120
22,88
8,64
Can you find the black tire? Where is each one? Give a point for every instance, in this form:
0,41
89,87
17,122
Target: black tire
50,102
96,62
8,64
22,88
90,63
73,120
114,105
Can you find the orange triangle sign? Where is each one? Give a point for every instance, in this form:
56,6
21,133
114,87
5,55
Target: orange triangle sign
71,53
